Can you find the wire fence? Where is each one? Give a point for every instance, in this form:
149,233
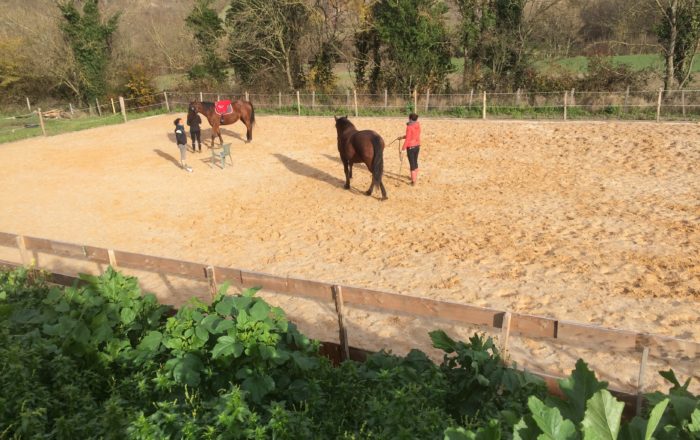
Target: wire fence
659,105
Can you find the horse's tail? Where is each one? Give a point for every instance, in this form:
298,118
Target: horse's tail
378,159
252,114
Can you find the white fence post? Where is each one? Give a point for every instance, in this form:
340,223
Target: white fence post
354,96
123,107
658,105
99,110
279,99
201,97
483,107
313,99
70,106
41,121
167,104
427,100
415,100
471,97
298,104
114,110
566,96
386,99
247,97
29,106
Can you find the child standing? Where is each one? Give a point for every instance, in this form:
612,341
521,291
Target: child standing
412,144
181,139
193,121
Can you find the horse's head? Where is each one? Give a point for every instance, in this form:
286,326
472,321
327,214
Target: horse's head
194,106
342,123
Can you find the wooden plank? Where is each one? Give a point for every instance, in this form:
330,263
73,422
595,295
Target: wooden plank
9,264
666,347
211,278
266,281
55,247
9,240
161,265
308,288
533,326
24,255
424,307
98,255
505,331
640,380
233,276
596,337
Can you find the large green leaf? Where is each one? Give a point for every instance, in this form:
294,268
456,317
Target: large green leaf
259,311
682,406
151,341
258,385
442,342
201,333
655,418
602,419
550,421
224,306
694,425
578,388
127,315
227,345
186,369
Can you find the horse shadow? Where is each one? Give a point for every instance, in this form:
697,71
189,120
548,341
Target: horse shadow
363,169
167,156
206,135
305,170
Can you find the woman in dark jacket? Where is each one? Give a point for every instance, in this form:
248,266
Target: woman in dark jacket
193,121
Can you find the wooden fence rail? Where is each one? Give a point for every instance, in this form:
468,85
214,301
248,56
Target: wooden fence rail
507,323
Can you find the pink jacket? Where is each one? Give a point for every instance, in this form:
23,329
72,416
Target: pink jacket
412,135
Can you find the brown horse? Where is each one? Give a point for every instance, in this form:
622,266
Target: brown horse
361,146
242,110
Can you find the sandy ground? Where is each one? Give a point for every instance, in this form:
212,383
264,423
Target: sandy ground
589,222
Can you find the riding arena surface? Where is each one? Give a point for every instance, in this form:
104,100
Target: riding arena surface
593,222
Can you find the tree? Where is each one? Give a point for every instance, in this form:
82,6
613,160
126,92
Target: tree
679,36
208,30
409,45
265,37
89,38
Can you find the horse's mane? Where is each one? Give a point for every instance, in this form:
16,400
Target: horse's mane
207,105
343,123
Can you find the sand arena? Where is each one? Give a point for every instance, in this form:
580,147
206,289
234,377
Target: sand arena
592,222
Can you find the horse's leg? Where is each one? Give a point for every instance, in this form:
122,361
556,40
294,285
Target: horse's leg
249,129
348,171
220,138
381,186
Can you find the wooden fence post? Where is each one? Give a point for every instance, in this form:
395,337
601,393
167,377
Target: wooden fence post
112,258
99,111
427,100
566,95
201,97
279,99
471,97
640,380
313,99
24,256
211,278
218,98
114,110
347,98
247,97
70,106
627,97
505,332
483,107
167,104
354,97
298,104
41,121
29,106
658,105
571,97
342,331
517,97
122,107
386,99
683,101
415,100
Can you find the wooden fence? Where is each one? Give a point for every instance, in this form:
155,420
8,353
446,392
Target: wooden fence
505,323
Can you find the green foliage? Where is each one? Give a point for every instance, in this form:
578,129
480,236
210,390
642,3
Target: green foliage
679,34
208,30
409,45
103,360
90,39
139,85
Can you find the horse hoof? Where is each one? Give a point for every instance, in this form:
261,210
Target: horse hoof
367,193
384,199
346,186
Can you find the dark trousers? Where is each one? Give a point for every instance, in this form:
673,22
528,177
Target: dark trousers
412,154
196,135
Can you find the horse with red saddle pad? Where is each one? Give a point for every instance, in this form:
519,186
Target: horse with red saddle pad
226,113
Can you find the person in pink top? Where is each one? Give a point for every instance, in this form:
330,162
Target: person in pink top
412,144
